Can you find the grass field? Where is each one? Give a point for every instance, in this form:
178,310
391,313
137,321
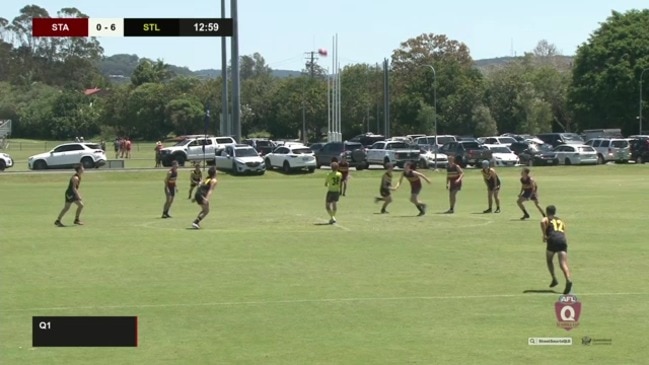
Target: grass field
266,282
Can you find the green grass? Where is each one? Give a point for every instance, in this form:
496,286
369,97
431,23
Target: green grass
262,283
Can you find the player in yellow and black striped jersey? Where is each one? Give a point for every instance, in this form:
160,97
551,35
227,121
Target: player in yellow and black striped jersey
529,191
386,188
554,235
195,178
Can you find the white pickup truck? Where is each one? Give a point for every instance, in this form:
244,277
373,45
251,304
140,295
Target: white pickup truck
191,149
396,153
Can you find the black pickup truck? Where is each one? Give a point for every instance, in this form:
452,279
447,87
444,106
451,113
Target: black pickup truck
466,152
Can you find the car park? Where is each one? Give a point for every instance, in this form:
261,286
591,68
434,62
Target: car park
194,149
438,140
501,140
466,152
576,154
639,149
239,159
263,146
68,155
291,158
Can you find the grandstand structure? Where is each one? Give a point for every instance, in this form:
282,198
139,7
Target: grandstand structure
5,132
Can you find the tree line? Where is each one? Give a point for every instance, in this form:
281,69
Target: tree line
42,83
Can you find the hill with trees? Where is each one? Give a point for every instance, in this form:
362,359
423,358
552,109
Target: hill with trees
57,88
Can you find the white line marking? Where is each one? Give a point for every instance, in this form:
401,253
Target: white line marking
298,301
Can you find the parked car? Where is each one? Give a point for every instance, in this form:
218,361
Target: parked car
640,150
438,140
395,153
611,149
239,159
367,139
354,152
5,161
263,146
535,154
502,156
315,147
576,154
194,149
502,140
291,158
466,153
430,157
68,155
556,139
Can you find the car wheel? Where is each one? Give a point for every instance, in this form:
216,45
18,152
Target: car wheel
386,162
234,168
268,165
600,159
567,161
639,159
180,159
423,164
530,162
40,165
286,167
87,163
3,165
311,170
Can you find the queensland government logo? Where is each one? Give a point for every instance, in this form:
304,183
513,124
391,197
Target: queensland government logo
567,309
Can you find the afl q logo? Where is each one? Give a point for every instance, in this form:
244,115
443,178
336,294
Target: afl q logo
567,310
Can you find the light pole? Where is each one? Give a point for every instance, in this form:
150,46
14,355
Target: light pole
640,100
435,109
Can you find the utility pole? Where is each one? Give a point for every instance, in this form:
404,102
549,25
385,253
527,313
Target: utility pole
236,85
224,129
310,66
310,61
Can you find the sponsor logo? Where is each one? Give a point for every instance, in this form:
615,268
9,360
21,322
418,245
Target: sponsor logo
567,310
549,341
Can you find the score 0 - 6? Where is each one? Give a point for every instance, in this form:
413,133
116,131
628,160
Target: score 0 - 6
106,27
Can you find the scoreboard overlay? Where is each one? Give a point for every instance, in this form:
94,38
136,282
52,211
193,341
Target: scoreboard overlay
132,27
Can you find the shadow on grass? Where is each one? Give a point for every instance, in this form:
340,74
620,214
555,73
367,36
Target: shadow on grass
540,291
322,224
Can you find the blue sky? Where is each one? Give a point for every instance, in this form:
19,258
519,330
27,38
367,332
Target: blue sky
283,30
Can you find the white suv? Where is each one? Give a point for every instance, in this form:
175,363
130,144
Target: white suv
611,149
194,149
68,155
5,161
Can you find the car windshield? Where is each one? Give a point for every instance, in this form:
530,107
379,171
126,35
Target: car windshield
301,151
500,150
246,152
183,142
587,149
471,145
620,143
507,140
397,146
93,146
444,140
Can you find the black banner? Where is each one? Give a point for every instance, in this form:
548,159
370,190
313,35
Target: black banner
84,331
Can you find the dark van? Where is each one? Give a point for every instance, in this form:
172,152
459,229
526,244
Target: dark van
556,139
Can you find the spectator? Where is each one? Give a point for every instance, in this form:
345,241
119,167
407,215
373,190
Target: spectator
158,155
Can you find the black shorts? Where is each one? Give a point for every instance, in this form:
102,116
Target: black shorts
200,200
71,198
415,190
493,186
332,196
194,184
529,195
345,176
170,190
455,186
385,192
557,245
